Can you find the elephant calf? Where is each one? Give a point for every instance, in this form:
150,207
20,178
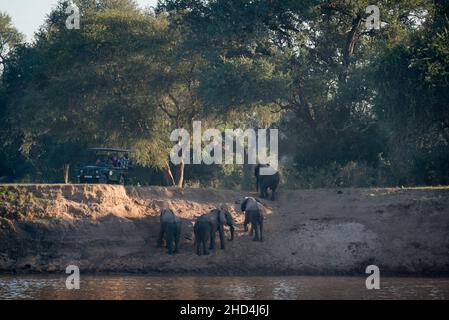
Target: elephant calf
206,227
170,227
253,214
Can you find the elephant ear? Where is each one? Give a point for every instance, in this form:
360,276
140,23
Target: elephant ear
243,205
222,217
229,219
167,215
213,216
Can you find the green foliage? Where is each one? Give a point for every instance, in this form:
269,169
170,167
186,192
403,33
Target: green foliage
14,204
9,37
322,66
354,107
95,86
415,114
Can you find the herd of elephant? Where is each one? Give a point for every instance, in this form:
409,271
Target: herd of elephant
207,225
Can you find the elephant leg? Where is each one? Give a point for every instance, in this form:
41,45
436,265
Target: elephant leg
256,229
222,237
261,229
161,235
198,248
197,239
170,247
170,239
199,243
212,240
245,223
273,191
177,238
265,192
205,247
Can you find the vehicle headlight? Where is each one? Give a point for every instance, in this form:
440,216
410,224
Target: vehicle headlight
110,173
96,171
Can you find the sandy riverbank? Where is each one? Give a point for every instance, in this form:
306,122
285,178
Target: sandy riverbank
103,228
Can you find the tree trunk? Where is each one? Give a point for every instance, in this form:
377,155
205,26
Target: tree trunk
349,48
180,174
66,169
168,175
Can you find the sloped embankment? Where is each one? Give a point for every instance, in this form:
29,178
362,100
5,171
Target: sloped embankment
102,228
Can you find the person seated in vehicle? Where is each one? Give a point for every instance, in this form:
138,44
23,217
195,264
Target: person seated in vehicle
113,161
124,162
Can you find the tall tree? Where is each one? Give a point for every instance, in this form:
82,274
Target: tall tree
9,37
93,86
411,85
126,78
306,57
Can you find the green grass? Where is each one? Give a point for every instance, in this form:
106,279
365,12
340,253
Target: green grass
17,203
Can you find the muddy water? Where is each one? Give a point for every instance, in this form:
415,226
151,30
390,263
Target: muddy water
291,288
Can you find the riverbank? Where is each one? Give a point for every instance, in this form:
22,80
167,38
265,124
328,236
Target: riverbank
113,229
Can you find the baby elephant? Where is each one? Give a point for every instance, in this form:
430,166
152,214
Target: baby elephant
206,227
170,227
253,214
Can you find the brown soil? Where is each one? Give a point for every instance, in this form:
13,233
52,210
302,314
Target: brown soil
103,228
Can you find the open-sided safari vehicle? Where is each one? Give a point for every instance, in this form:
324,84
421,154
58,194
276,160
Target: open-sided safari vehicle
107,165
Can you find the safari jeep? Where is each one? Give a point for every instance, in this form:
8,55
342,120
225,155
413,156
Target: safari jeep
111,166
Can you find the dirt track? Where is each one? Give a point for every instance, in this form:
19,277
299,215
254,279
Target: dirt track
113,229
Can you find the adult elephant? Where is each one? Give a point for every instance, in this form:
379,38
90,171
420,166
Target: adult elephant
206,227
170,229
265,182
254,214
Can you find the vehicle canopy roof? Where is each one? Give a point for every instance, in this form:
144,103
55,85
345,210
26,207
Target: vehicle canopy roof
118,150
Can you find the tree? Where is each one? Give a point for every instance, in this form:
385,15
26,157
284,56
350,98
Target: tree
125,79
9,38
411,82
309,58
129,77
92,86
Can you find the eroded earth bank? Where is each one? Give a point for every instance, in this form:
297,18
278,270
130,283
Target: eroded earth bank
103,228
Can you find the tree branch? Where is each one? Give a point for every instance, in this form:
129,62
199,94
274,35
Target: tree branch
335,7
165,110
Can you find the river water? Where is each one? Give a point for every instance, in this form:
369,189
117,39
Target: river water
192,288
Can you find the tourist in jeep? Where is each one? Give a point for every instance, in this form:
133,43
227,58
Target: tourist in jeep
124,162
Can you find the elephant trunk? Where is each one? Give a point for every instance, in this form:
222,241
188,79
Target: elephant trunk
232,232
